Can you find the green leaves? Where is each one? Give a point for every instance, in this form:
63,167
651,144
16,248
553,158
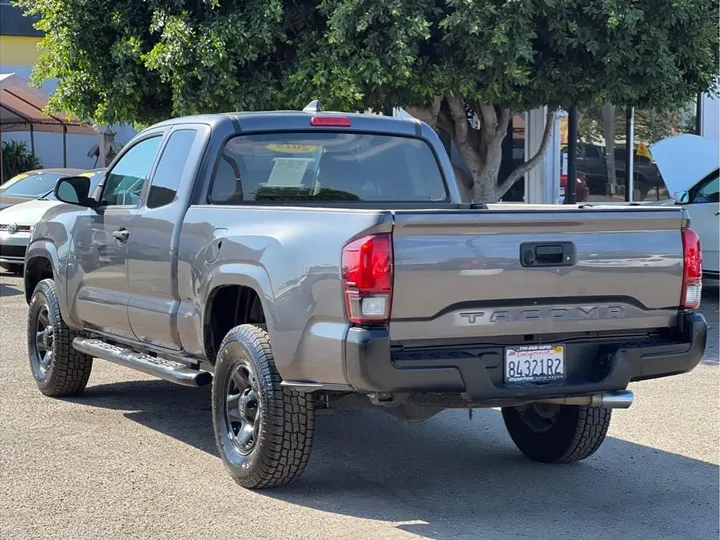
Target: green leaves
17,159
123,60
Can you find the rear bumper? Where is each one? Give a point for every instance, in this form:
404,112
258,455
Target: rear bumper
476,373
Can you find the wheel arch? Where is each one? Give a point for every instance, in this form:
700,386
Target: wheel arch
253,283
42,262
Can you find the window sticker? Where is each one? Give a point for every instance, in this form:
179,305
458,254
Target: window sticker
292,148
288,172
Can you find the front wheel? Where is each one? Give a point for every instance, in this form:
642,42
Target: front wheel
59,369
552,433
263,430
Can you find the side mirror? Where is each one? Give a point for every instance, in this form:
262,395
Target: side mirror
75,190
681,198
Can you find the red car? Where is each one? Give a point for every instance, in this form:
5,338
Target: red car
581,188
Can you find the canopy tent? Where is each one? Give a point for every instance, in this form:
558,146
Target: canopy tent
21,109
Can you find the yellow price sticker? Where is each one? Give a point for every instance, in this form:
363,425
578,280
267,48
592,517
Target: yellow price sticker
19,177
643,151
292,148
87,174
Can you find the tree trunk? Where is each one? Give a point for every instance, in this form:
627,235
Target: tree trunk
485,174
480,149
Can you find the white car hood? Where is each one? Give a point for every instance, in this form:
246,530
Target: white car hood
684,160
27,213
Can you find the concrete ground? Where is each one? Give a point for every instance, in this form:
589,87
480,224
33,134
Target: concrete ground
134,458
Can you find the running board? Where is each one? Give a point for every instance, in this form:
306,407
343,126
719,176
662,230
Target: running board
168,370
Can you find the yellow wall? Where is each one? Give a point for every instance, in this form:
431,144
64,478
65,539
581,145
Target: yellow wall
18,50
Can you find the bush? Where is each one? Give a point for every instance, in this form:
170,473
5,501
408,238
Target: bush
16,158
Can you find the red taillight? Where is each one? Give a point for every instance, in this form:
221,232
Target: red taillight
367,276
330,121
692,270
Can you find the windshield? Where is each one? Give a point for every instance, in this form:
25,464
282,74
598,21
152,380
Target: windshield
324,166
30,186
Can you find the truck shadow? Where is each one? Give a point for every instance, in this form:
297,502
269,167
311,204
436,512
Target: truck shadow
456,477
711,312
7,290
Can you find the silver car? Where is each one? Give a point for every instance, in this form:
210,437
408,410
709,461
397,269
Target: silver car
17,220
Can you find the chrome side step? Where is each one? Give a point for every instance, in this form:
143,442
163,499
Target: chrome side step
163,368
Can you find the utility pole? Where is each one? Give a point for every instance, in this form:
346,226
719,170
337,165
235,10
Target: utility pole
571,184
698,114
629,154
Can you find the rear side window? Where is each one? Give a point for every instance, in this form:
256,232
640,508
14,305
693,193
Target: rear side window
323,166
169,171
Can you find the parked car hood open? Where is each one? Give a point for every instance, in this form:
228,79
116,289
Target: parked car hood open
684,160
26,213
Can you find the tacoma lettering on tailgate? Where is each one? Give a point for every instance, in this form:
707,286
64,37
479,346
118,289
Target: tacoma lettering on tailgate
579,313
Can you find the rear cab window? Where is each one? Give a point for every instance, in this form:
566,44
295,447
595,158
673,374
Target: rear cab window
326,166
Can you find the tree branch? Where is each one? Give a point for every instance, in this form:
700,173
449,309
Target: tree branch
488,119
504,119
464,136
457,111
530,164
445,120
429,114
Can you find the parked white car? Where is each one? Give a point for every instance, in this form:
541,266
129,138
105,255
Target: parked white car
17,222
689,166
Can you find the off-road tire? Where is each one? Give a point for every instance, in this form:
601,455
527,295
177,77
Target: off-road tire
69,370
575,433
282,448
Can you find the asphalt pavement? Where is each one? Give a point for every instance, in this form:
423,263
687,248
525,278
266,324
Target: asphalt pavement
134,457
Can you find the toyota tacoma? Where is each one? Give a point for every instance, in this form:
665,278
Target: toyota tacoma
299,261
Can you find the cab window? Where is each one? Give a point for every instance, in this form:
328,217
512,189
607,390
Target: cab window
126,180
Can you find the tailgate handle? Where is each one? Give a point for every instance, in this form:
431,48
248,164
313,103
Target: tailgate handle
547,254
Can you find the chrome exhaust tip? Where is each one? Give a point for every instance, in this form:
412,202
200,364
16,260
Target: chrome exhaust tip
616,400
621,399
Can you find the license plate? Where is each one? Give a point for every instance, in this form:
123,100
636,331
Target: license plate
535,363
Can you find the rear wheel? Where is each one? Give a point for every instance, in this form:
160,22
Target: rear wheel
263,430
557,433
59,369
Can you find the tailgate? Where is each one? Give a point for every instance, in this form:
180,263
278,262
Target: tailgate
461,274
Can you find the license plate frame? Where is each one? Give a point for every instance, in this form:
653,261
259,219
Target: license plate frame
524,364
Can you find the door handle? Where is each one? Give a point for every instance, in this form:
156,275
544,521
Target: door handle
121,235
547,254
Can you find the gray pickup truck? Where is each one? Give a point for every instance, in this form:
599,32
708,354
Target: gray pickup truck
299,261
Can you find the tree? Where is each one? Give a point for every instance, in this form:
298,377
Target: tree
16,159
445,60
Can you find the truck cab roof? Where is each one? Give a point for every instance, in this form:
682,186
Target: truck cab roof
300,120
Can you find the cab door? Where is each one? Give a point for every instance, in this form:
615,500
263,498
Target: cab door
100,242
153,245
